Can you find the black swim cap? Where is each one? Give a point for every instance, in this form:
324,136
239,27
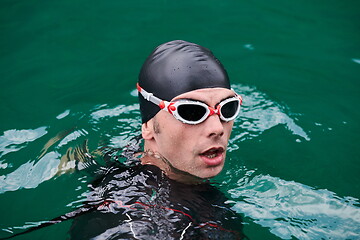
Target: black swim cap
178,67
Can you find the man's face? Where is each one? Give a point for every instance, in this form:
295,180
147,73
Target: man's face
199,149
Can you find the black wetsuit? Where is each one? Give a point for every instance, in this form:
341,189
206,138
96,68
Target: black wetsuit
140,202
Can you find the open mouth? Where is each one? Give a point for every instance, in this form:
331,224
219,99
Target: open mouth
213,153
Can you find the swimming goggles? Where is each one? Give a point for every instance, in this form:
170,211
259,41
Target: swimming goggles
195,112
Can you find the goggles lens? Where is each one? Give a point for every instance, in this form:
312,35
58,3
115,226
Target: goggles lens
191,112
230,109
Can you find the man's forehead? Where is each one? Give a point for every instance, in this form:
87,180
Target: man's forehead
206,94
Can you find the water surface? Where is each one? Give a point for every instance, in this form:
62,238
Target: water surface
68,72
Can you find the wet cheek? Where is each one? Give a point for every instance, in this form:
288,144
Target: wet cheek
228,128
173,143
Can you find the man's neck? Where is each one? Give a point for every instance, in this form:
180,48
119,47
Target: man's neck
156,159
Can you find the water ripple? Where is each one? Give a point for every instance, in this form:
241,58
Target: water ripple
31,174
260,113
113,112
14,140
290,209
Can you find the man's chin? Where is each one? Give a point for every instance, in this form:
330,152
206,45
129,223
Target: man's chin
210,172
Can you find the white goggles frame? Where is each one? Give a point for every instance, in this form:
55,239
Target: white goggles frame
171,107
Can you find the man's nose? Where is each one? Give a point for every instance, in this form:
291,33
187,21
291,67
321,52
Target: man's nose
214,126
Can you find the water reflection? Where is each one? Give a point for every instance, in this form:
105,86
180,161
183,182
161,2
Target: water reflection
31,174
13,140
260,113
290,209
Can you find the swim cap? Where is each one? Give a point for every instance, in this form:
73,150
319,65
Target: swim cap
178,67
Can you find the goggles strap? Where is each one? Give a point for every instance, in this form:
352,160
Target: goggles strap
148,96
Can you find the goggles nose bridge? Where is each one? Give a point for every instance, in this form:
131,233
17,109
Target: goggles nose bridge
214,110
167,106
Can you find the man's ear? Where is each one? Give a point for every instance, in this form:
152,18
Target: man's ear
147,130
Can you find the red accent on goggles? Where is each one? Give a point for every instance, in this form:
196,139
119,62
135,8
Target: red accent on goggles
195,112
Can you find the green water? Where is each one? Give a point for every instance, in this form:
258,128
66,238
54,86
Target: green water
69,68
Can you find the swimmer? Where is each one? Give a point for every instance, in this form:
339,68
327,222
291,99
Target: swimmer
188,109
